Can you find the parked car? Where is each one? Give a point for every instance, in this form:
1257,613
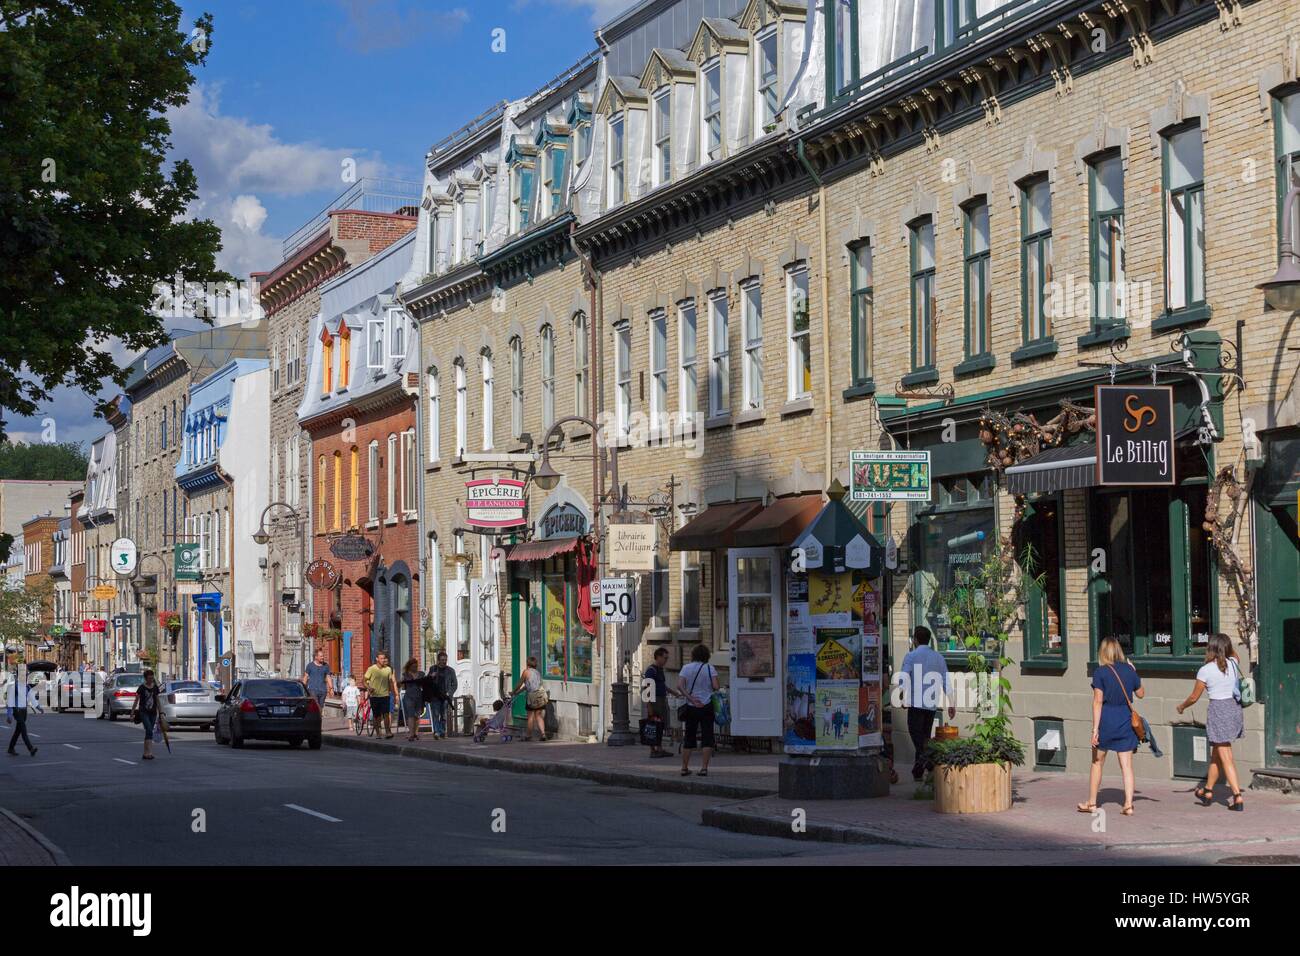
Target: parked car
75,690
268,709
189,703
119,695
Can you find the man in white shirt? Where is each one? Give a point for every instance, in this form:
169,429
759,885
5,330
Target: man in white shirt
926,686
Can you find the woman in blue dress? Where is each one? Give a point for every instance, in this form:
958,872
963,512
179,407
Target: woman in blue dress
1115,682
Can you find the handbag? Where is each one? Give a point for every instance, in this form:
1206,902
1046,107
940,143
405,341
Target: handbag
684,709
652,731
1134,717
537,699
1244,689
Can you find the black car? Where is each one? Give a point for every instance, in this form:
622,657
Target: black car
268,709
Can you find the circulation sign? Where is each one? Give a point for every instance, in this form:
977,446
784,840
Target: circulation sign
123,556
617,600
890,475
494,503
1135,435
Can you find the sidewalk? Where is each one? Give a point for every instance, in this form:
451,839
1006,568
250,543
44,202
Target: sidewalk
740,776
20,845
1042,817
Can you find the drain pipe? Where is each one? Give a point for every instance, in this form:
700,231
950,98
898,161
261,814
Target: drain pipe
827,407
592,279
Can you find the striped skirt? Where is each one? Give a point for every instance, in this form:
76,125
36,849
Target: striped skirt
1223,723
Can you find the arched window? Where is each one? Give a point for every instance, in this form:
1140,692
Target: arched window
391,476
486,361
548,377
435,413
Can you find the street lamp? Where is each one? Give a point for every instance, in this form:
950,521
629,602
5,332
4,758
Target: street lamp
546,476
1283,290
261,537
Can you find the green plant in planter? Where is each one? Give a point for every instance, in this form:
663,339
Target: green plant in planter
983,608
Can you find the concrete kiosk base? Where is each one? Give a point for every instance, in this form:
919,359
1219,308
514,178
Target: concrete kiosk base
840,777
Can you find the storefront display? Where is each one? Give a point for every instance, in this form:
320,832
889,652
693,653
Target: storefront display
956,530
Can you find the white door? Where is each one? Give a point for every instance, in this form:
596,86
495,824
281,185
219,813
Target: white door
754,623
485,643
458,636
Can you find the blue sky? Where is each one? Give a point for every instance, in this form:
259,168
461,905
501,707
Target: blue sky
291,88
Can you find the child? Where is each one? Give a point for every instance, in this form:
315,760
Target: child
351,699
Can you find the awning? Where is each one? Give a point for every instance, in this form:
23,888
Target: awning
1056,469
779,523
712,528
837,539
541,550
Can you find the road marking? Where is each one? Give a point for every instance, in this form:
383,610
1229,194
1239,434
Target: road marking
313,813
41,763
73,746
120,760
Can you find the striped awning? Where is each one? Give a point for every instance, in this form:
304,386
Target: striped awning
1056,469
541,550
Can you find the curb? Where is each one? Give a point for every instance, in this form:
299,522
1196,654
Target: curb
57,856
757,824
615,778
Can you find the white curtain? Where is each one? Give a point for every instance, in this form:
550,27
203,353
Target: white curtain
737,81
686,126
808,82
638,163
890,29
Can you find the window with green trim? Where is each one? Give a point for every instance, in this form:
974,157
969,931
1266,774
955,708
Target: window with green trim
1152,587
1184,184
955,20
978,296
1035,258
1286,123
862,298
922,269
1040,550
844,48
1106,234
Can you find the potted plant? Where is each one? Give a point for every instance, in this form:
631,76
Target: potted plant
310,629
973,774
330,634
170,621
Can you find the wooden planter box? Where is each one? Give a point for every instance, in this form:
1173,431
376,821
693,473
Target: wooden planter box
979,788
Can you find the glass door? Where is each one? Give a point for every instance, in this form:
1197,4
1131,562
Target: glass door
754,627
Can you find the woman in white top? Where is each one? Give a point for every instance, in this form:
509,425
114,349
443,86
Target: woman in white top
698,681
535,703
1218,679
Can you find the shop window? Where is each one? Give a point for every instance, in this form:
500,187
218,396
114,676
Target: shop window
978,295
921,242
1106,230
862,297
691,590
1152,587
1040,551
1035,259
1286,122
954,532
555,624
1184,180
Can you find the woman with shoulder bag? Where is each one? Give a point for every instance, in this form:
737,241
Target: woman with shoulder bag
1220,677
535,703
1115,721
697,682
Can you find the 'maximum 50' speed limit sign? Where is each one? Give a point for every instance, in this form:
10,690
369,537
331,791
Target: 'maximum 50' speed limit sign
618,600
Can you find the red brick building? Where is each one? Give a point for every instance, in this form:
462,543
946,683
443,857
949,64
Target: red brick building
359,410
38,554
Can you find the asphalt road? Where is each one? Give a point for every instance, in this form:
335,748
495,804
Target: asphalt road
88,792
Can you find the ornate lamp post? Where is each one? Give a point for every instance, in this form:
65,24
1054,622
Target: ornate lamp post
262,537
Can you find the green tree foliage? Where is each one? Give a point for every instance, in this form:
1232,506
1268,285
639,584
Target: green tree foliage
65,461
92,215
21,610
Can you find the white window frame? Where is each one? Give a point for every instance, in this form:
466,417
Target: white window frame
761,115
581,362
462,409
751,328
396,334
663,119
410,493
658,354
372,481
485,361
376,339
622,378
434,385
794,384
390,472
688,394
617,162
719,354
547,335
710,149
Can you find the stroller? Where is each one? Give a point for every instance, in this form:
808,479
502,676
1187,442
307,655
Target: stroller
499,723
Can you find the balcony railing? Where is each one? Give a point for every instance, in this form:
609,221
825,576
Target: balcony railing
370,194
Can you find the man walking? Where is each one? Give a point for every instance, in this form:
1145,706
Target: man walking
443,679
379,688
17,700
926,686
316,679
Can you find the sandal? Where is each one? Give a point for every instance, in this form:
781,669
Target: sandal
1237,802
686,773
1128,810
1085,807
704,773
1206,797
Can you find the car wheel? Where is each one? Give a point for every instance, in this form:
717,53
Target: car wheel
314,741
295,742
112,716
236,740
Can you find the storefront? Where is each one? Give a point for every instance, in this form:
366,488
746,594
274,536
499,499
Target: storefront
551,615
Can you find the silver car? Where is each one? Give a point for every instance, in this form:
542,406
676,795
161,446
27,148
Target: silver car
189,703
119,695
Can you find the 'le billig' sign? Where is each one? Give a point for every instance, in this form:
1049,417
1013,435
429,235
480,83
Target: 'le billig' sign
1135,435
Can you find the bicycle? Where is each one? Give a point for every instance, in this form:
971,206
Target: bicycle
361,722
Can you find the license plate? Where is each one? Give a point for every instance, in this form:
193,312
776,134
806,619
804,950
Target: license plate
190,698
282,711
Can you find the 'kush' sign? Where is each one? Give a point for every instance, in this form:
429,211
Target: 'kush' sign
1135,435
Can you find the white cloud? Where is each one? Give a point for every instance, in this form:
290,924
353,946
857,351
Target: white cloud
247,213
375,25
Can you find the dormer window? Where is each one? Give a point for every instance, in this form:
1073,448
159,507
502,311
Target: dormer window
579,120
345,355
375,342
327,362
767,78
397,334
555,150
617,160
521,159
663,118
712,131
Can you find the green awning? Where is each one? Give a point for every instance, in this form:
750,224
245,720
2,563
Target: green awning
837,539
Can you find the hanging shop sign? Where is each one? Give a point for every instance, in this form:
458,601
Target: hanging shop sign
1135,434
890,475
188,562
94,625
564,515
351,547
103,592
632,547
123,556
322,575
494,503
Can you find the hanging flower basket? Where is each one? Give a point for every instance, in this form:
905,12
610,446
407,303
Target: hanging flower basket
310,629
331,634
169,620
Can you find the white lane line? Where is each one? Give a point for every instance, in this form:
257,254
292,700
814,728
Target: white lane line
129,762
42,763
73,746
313,813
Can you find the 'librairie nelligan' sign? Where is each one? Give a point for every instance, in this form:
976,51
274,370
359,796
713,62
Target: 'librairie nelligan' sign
1135,435
494,503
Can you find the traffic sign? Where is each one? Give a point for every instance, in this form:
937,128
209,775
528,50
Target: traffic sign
123,557
618,600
